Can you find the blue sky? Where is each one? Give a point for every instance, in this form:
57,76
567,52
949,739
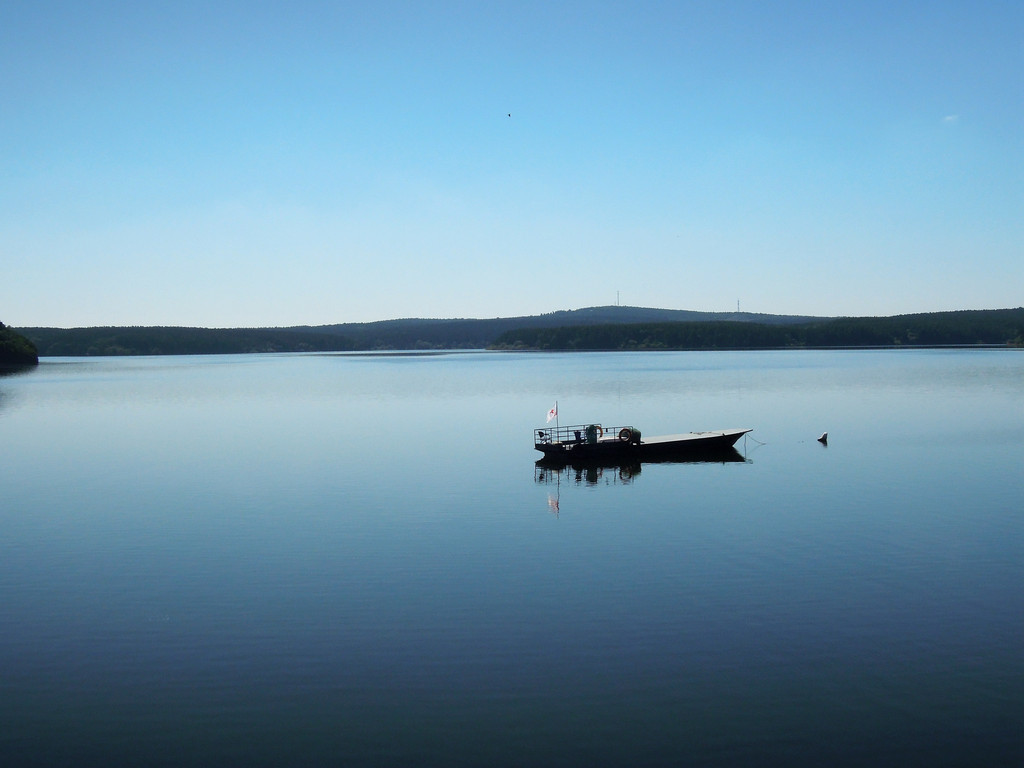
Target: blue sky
267,164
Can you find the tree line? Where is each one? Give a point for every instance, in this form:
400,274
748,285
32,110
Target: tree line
87,342
588,329
15,349
1003,327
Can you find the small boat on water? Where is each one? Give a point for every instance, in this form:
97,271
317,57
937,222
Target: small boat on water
594,442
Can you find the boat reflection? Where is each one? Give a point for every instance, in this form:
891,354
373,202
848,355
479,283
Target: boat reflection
597,472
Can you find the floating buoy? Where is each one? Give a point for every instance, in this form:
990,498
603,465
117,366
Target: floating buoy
824,438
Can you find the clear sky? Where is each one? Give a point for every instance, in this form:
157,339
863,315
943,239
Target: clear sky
267,164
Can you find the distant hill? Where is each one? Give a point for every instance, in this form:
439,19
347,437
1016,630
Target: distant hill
592,328
416,333
1003,327
410,333
15,349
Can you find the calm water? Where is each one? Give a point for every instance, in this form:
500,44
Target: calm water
352,560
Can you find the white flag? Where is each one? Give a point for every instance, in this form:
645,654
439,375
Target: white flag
553,412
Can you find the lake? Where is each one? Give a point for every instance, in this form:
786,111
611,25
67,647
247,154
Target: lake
353,560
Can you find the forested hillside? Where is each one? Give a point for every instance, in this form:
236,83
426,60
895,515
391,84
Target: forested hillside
415,333
410,333
989,327
53,342
15,349
577,330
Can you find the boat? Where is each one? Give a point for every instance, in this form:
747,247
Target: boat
594,443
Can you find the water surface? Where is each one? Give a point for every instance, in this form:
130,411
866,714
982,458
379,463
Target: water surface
351,559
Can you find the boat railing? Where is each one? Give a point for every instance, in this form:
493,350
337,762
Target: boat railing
583,433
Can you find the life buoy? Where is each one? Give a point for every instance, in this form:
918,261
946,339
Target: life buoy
600,431
625,435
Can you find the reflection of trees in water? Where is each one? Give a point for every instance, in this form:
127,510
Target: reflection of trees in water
12,370
15,370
